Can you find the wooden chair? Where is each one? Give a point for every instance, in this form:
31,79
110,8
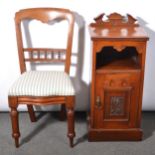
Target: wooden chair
43,87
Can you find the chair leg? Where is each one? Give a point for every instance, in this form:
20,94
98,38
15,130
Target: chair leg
14,119
31,113
62,115
70,119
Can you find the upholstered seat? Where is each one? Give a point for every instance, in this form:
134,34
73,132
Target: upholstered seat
42,83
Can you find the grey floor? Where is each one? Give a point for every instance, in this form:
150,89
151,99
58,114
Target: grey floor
48,137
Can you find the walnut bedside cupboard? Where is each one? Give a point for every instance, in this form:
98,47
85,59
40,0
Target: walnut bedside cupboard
119,49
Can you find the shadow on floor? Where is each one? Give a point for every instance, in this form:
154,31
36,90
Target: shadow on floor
46,118
45,122
148,124
81,117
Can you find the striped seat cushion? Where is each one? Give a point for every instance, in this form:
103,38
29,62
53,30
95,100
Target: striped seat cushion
42,83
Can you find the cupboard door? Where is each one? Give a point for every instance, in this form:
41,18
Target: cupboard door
116,100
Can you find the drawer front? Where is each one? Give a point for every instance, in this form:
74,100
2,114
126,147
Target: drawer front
116,100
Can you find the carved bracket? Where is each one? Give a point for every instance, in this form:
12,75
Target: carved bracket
115,19
119,48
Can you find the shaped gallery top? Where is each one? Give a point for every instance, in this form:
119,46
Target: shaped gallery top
116,26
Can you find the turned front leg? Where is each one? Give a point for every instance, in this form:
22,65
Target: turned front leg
70,119
14,120
71,132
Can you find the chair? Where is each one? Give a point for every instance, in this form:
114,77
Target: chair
43,87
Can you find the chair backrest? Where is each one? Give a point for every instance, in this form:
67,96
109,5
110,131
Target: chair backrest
44,15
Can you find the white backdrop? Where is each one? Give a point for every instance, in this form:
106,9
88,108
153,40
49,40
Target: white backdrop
85,11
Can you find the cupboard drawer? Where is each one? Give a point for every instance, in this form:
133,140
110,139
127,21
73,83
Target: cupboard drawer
117,79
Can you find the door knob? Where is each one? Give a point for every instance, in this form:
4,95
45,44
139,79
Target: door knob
98,101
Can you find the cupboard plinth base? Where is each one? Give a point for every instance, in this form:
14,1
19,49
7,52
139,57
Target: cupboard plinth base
115,135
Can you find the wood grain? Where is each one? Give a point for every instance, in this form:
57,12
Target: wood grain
119,49
44,15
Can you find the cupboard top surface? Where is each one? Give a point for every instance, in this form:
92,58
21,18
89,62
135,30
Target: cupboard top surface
118,33
116,26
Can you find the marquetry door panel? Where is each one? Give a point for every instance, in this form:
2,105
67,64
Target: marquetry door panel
116,100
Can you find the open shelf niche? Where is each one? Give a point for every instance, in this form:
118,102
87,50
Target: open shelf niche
110,59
